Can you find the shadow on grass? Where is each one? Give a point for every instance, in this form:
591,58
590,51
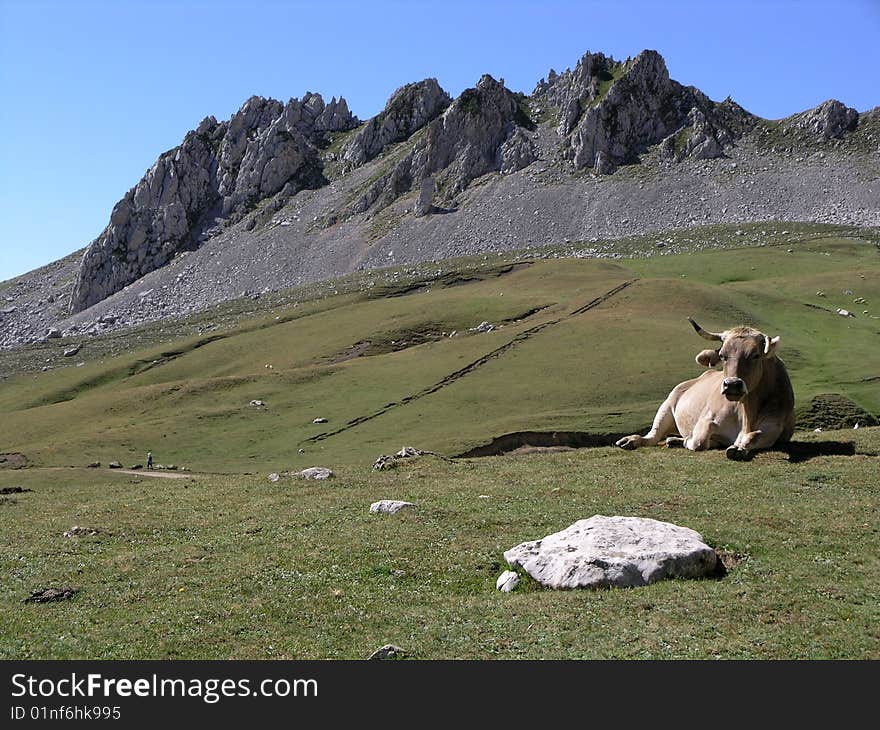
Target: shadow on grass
541,440
524,441
799,451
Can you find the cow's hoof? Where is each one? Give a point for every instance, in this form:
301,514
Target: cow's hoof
675,442
629,442
735,453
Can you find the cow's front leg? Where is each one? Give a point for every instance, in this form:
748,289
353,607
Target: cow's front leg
738,453
701,438
750,441
664,423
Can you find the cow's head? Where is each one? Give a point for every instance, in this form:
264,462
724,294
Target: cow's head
743,353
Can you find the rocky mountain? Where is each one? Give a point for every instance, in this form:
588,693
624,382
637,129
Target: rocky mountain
610,112
219,172
284,194
407,111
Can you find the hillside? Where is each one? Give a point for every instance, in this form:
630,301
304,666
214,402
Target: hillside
287,194
216,561
578,345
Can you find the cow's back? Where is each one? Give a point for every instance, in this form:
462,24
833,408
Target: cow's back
783,400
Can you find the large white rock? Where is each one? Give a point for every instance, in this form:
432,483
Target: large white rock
389,506
614,551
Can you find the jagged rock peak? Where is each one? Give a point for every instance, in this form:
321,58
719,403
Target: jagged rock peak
472,132
211,179
829,120
573,90
611,111
409,109
478,133
633,108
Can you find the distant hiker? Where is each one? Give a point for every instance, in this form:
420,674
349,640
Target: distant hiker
149,460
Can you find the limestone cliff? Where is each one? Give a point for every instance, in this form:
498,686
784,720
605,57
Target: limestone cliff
219,172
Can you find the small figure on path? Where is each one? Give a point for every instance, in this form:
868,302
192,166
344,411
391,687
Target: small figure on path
149,460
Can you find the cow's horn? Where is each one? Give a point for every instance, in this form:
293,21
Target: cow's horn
706,335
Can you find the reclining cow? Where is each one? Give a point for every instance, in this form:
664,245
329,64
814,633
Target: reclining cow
746,406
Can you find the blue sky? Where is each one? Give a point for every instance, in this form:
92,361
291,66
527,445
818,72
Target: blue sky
94,90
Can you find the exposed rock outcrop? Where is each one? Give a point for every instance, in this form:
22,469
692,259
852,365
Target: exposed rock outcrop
574,91
507,581
218,173
424,204
829,120
466,142
611,111
389,651
517,151
705,135
599,115
409,109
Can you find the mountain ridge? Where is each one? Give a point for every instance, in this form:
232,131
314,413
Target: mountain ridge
308,178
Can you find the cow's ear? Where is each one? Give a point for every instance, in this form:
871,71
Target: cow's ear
708,358
771,345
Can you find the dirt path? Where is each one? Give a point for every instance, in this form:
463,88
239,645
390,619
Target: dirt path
160,474
452,377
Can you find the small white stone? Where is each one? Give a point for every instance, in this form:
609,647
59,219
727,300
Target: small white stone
408,452
389,651
316,472
507,581
389,506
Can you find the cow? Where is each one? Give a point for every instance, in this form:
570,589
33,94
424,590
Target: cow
748,405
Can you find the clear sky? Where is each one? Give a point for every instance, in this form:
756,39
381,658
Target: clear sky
94,90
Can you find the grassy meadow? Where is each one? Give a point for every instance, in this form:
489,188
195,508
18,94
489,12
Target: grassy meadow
221,563
218,567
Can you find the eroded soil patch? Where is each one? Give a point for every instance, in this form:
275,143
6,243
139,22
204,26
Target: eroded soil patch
13,460
14,490
396,340
48,595
525,442
730,560
453,278
476,364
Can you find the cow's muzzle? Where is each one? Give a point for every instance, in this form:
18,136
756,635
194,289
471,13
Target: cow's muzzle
734,388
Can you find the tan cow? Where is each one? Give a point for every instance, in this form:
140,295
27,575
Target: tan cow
747,405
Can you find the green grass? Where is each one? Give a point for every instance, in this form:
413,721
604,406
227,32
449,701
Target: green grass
302,570
602,371
606,79
220,567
